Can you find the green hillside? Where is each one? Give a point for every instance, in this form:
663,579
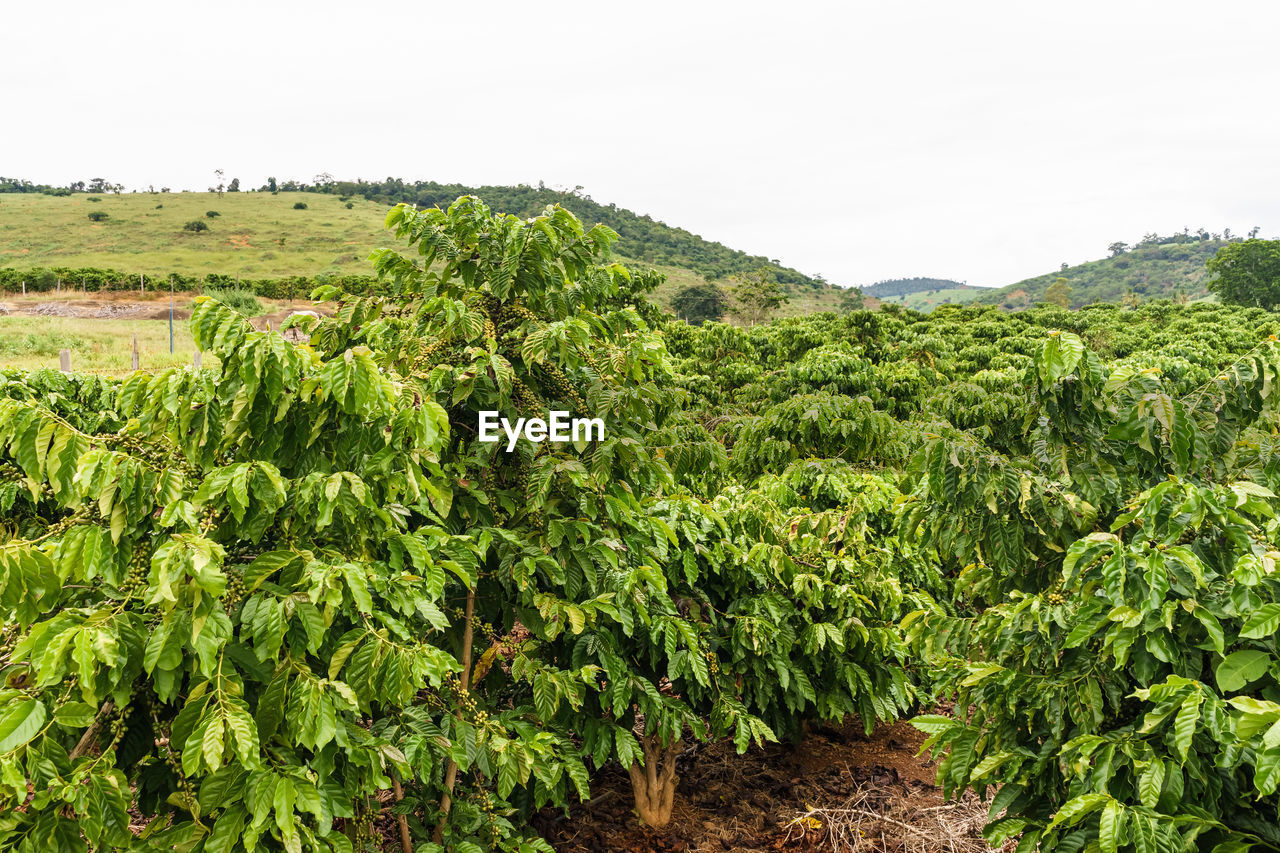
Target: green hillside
891,288
923,294
1158,268
641,236
262,235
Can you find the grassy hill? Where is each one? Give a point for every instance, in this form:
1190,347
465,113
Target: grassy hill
262,235
923,294
257,235
642,237
1152,270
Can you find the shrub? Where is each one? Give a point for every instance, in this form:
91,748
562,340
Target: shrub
158,206
195,225
212,214
240,299
98,216
45,280
299,205
349,205
93,198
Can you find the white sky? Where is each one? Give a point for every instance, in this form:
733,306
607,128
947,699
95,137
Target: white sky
982,141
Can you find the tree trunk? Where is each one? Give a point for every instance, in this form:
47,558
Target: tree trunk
654,782
451,769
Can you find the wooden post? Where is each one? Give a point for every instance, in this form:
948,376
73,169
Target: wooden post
142,283
135,352
59,287
64,361
195,362
24,288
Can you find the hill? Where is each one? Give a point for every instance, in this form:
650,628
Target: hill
641,236
265,235
894,287
923,294
1158,268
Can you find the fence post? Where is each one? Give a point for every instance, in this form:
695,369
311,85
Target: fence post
195,361
135,352
64,361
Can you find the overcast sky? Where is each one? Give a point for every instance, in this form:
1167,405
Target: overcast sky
981,141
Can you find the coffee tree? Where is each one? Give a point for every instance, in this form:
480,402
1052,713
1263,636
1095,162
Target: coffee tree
615,606
1119,692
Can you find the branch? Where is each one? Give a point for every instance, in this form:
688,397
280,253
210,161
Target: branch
86,739
451,770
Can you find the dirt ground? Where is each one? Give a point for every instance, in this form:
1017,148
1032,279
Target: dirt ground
109,305
837,790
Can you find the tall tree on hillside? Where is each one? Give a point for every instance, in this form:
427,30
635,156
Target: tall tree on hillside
1059,293
852,299
1118,248
757,295
234,186
221,185
1247,273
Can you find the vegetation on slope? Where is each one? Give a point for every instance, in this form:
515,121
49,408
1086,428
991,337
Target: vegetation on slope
922,293
641,238
639,235
896,287
262,235
1168,267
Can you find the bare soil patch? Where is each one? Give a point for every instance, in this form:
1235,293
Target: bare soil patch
836,790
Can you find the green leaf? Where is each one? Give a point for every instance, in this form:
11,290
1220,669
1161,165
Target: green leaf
1151,783
76,715
20,722
1263,622
1184,726
1076,808
1111,827
1241,668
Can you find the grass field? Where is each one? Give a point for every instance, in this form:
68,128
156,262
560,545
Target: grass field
105,344
97,346
256,235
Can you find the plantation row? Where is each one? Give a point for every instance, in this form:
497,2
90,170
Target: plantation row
245,604
96,279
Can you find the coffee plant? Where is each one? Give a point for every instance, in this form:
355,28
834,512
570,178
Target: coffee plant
281,604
